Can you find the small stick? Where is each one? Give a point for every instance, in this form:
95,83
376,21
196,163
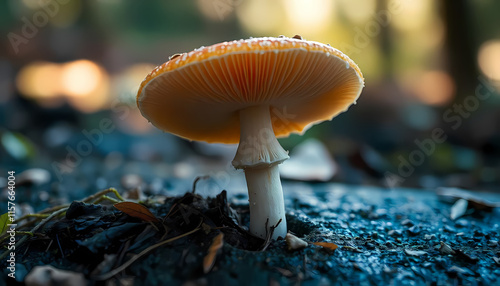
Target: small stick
269,234
38,226
196,181
142,253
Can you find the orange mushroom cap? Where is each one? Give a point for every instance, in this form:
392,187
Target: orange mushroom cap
197,95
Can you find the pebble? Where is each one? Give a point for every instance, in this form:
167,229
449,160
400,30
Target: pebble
460,270
395,232
294,243
407,222
461,223
415,252
478,233
448,228
414,230
492,243
35,176
429,237
370,246
131,181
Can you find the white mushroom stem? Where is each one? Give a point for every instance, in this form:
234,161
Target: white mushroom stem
259,154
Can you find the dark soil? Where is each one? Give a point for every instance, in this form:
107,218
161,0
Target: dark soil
385,237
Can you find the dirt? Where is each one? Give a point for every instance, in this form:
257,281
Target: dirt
384,237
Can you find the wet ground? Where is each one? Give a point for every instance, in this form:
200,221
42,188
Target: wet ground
384,237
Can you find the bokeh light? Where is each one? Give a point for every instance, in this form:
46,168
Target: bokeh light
308,16
79,78
83,83
39,80
432,87
86,84
489,59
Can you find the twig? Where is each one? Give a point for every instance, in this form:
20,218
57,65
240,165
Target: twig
46,212
269,234
106,198
102,193
59,244
38,226
196,181
142,253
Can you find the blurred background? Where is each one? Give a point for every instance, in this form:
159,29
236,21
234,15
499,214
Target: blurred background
69,72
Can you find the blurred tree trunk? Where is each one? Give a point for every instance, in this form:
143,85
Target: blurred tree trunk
460,49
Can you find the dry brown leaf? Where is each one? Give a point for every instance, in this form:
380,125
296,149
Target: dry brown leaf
209,260
328,245
136,210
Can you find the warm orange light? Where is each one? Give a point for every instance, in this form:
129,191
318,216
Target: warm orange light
39,80
358,11
79,78
309,16
433,87
127,83
489,59
416,15
261,17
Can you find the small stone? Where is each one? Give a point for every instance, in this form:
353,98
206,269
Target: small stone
389,244
461,223
414,230
445,248
415,252
492,243
294,243
370,246
429,237
427,265
448,228
460,270
131,181
394,232
407,222
478,233
35,176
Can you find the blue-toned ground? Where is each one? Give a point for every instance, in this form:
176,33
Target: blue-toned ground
385,237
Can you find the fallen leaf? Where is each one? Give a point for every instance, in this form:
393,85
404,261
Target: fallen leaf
136,210
328,245
415,252
294,243
209,260
475,200
458,209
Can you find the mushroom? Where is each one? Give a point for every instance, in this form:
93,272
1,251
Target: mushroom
252,91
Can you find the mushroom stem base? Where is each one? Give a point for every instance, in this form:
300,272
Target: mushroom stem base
266,201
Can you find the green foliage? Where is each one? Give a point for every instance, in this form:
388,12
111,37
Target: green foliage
4,221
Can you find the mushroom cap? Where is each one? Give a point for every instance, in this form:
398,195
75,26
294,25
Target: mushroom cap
198,95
